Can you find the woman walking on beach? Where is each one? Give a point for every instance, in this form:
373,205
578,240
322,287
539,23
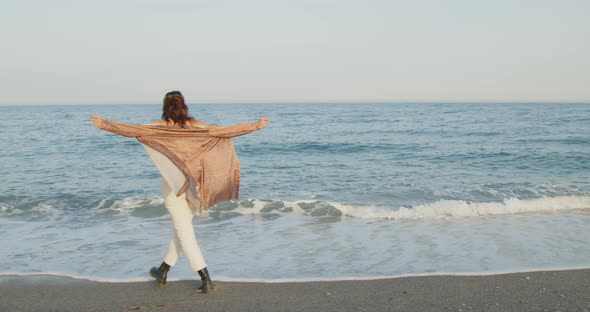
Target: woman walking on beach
199,167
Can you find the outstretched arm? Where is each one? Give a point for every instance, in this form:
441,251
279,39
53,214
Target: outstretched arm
120,128
237,130
216,131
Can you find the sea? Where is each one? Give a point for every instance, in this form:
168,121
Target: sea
329,191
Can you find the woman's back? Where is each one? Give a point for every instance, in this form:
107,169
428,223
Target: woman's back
192,123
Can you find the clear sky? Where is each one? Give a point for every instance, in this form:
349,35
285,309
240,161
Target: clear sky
107,52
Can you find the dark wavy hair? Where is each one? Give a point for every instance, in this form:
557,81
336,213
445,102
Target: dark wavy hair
175,109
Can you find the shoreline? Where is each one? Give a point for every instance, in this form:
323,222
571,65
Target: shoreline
292,280
564,290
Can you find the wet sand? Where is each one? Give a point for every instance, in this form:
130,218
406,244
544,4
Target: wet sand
533,291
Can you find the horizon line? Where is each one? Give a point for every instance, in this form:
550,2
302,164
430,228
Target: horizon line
310,102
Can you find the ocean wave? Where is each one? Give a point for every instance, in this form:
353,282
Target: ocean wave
438,209
133,205
39,207
460,208
153,207
23,206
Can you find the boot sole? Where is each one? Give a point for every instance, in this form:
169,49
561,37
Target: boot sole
159,282
212,289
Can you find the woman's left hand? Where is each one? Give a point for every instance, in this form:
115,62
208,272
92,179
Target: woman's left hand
262,123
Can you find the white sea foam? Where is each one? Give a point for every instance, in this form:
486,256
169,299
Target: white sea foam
8,211
292,280
460,208
125,206
298,248
438,209
42,207
77,277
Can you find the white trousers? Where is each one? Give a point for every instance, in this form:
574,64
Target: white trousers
184,234
182,215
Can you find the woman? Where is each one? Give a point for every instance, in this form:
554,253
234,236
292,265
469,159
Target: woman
199,168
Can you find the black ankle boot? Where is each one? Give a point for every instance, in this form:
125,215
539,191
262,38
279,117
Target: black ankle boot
207,285
160,273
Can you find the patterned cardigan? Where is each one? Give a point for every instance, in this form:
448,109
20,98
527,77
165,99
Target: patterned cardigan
205,156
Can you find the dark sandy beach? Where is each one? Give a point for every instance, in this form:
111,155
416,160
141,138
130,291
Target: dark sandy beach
533,291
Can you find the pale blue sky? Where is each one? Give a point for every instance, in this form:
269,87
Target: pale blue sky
95,52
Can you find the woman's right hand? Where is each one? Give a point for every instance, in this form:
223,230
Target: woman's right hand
96,120
262,123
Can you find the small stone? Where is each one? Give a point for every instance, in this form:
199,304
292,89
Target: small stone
528,278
